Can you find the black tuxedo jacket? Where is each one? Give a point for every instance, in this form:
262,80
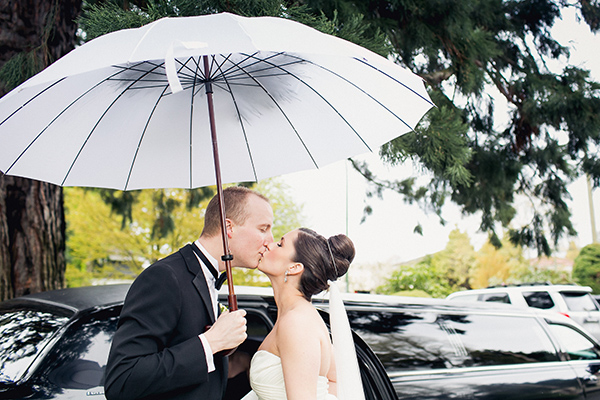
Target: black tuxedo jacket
156,352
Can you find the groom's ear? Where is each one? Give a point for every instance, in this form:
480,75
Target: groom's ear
229,226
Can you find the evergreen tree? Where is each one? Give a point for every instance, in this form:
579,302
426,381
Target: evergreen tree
586,268
32,225
475,55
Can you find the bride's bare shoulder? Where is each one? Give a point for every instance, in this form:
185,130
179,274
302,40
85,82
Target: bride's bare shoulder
305,318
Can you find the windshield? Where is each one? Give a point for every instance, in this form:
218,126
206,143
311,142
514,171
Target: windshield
579,301
24,331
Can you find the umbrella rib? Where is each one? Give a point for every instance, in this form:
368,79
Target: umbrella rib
31,99
54,119
237,110
134,81
137,150
325,100
395,80
191,122
282,112
361,89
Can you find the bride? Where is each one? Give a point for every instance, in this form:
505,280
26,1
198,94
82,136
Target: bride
297,361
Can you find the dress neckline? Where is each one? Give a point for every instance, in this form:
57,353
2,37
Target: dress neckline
268,352
279,358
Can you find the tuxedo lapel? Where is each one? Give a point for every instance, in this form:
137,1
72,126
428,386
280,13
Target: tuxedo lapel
199,280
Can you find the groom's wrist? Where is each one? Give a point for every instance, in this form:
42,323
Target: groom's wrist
208,353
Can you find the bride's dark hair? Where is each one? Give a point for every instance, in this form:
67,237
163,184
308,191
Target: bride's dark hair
323,259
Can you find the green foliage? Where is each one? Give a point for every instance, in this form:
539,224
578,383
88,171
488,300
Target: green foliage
586,268
531,273
497,264
102,245
459,267
420,277
99,18
439,274
457,261
19,68
24,65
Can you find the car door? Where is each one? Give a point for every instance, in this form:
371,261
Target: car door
432,354
583,355
261,316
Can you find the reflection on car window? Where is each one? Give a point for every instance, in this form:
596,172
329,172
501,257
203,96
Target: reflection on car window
425,340
24,331
79,359
578,301
495,297
540,300
577,346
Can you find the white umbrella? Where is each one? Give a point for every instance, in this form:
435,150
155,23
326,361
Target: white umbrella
127,110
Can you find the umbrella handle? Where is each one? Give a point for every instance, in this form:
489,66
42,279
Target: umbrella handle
231,298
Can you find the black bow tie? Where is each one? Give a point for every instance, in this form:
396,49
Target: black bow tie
219,279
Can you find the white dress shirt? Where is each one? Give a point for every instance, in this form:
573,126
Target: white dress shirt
214,296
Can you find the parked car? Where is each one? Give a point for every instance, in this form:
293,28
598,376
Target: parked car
54,345
438,349
573,301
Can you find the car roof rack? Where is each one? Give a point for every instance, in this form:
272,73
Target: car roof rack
521,284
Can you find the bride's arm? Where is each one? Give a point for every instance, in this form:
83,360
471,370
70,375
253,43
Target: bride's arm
332,377
300,353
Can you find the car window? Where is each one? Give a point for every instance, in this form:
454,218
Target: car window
577,346
465,297
79,358
579,301
495,297
426,340
24,332
540,300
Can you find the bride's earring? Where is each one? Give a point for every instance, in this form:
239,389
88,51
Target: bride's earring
285,276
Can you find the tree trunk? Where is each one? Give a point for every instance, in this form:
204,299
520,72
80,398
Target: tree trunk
36,235
32,222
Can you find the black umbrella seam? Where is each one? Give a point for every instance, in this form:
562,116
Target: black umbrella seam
363,90
57,116
237,110
31,99
321,96
133,82
278,106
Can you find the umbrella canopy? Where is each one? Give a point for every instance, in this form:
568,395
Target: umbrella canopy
128,110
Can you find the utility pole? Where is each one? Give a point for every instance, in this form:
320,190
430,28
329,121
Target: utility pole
592,216
347,233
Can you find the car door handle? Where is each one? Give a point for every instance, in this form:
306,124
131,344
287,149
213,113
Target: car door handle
590,319
590,380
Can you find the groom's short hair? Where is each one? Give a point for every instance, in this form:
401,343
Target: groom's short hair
235,199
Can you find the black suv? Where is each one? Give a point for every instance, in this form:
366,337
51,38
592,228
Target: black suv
440,349
55,345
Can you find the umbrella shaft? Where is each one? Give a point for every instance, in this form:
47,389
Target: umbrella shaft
213,131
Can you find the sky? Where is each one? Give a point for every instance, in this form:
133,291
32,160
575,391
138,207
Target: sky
333,197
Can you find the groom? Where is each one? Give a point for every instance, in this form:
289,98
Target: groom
161,349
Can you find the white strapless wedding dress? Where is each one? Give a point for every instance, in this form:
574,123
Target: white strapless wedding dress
266,379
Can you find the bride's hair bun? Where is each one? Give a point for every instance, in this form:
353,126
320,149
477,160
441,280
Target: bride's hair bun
342,251
323,259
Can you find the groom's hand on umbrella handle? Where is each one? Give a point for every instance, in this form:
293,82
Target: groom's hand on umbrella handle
228,332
